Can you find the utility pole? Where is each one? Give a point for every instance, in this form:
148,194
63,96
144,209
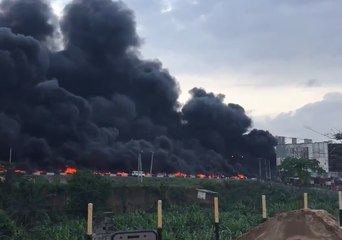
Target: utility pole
265,162
10,156
151,163
140,167
138,163
259,169
269,168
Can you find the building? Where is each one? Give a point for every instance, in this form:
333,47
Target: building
335,158
328,154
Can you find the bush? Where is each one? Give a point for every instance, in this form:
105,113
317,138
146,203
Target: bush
7,227
27,201
84,188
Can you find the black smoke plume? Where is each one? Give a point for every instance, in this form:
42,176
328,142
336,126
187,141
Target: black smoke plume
98,104
29,17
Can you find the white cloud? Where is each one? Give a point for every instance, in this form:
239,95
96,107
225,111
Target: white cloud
166,6
58,6
323,116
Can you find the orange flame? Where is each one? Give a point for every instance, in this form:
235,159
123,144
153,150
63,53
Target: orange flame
180,174
241,176
70,170
122,174
200,175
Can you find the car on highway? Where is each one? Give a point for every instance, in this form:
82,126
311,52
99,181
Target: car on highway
122,174
138,174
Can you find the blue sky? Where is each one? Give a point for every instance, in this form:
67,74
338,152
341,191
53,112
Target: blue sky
279,59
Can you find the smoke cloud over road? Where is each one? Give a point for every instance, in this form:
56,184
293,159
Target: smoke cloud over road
97,103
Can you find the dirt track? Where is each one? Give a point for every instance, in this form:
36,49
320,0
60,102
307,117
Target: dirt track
297,225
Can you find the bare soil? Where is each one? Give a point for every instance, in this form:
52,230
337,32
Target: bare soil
297,225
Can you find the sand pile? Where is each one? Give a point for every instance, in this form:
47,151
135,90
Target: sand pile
297,225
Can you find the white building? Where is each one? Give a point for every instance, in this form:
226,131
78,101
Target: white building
308,150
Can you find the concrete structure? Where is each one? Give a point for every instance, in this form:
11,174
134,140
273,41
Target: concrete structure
335,158
327,153
202,193
104,227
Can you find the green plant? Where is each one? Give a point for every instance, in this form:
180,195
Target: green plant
85,187
299,167
7,227
67,228
30,213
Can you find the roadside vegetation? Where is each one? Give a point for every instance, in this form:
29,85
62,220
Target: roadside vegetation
35,208
299,168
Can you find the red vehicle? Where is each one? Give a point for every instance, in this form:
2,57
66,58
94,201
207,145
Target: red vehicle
18,171
2,168
122,174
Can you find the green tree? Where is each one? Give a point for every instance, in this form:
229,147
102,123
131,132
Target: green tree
85,187
338,136
27,201
299,167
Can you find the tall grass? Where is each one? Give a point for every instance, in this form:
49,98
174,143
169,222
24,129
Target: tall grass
185,217
240,205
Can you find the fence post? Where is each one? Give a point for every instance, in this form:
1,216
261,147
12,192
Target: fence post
216,219
90,221
159,220
264,208
340,206
305,200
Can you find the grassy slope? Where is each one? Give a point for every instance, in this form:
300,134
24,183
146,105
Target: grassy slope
185,217
240,205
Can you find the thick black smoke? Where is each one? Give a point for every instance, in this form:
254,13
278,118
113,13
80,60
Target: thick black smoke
29,17
98,104
217,125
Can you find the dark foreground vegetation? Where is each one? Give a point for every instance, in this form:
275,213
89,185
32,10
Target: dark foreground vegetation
48,208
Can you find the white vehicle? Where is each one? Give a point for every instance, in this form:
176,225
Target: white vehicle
138,174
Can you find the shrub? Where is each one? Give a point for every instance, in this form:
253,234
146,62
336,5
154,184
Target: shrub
84,188
7,227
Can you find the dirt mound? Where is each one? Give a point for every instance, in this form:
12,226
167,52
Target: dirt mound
297,225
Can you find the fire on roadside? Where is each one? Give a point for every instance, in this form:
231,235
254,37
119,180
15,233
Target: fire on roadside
70,170
239,176
122,174
180,174
200,175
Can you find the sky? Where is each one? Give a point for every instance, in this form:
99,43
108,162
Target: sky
279,59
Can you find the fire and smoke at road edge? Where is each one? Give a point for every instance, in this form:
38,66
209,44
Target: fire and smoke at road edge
97,103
